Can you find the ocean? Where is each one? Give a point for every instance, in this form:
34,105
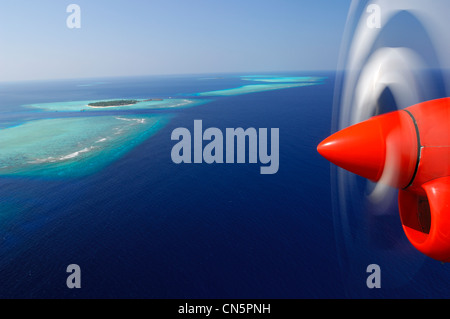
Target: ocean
141,226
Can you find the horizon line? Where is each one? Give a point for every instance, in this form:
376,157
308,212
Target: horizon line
164,75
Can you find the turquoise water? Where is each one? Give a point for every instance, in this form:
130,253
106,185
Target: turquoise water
276,83
79,146
246,89
282,79
72,147
77,106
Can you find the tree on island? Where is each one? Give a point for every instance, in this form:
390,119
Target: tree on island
113,103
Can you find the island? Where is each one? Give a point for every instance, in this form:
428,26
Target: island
108,105
113,103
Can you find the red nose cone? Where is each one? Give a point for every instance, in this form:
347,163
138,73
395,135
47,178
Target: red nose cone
359,149
368,148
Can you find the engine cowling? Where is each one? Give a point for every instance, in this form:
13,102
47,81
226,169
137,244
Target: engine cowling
409,150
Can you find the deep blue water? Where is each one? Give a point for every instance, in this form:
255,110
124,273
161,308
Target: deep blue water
145,227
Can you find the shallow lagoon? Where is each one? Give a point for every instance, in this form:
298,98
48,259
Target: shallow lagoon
270,83
246,89
79,146
284,79
72,147
78,106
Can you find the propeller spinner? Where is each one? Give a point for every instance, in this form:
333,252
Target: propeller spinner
409,150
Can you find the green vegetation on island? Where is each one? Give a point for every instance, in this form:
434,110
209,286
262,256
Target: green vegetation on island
113,103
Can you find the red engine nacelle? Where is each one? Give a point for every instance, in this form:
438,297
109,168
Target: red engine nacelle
409,150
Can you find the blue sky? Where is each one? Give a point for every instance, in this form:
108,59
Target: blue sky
145,37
